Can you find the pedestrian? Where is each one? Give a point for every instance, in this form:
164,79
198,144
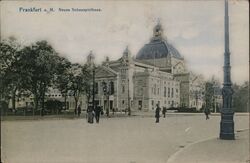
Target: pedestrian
97,113
90,116
164,110
79,110
157,113
207,111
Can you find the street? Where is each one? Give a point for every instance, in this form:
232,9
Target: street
135,139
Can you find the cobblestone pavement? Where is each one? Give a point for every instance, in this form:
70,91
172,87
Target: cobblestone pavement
135,139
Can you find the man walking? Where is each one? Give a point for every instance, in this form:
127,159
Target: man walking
79,110
97,113
207,111
164,110
157,113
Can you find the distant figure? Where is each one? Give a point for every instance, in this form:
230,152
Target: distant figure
157,113
97,113
79,110
90,115
207,112
164,110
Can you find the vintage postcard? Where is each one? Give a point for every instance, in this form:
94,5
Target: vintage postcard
118,81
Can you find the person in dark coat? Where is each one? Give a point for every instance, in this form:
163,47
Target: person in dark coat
79,110
164,110
97,113
90,115
207,112
157,113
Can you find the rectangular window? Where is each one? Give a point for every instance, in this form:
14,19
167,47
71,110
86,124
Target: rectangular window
112,89
168,92
123,89
96,88
172,92
165,91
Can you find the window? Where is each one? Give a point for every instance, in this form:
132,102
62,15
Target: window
122,102
123,89
152,102
165,91
168,92
96,88
158,92
112,90
172,92
176,90
155,89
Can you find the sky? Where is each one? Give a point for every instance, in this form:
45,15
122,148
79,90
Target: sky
195,28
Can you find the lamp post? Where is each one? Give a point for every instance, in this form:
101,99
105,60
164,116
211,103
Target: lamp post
227,113
106,93
93,90
129,109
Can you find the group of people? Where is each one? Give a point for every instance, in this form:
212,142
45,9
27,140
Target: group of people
157,113
91,113
94,113
164,110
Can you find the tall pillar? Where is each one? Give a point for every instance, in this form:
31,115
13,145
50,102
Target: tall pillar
227,113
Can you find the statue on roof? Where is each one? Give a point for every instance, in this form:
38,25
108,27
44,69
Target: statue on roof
90,58
158,31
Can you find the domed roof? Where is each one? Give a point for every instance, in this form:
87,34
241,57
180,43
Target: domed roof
158,47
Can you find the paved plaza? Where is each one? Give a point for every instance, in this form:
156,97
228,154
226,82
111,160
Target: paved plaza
135,139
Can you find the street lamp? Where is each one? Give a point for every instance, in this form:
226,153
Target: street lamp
227,113
92,66
106,93
93,90
129,110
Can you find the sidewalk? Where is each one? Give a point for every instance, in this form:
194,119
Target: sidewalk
216,151
152,114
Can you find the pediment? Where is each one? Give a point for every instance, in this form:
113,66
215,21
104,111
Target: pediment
103,72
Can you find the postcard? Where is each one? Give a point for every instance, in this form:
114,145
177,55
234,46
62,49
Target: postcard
124,81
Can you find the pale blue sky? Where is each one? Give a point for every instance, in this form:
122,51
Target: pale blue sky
195,28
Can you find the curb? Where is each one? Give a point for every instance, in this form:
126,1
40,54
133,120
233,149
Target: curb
173,156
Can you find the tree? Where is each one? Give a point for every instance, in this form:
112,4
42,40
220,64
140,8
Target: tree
11,78
63,76
88,81
37,63
209,95
76,82
241,97
212,90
